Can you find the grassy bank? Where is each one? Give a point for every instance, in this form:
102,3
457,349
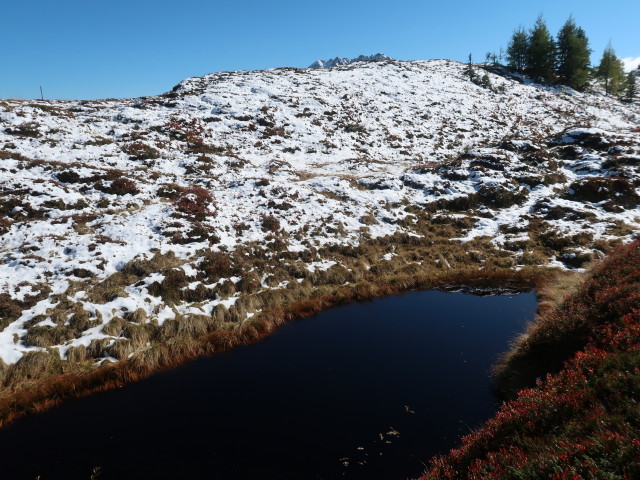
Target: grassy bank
255,289
582,419
41,380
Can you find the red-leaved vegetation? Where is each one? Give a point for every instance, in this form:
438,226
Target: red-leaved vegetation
584,420
195,202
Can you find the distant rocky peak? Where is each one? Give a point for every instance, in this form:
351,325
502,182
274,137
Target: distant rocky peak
334,62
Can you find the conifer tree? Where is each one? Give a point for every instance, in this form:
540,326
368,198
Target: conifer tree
540,52
611,71
631,91
572,56
469,69
517,50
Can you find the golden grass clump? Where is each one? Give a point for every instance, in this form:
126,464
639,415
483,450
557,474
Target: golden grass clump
141,267
121,349
98,347
226,289
220,314
237,313
191,325
33,365
249,283
137,316
139,333
45,336
77,354
114,327
250,303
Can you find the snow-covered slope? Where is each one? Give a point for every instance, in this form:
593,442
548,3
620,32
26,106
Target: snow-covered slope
291,161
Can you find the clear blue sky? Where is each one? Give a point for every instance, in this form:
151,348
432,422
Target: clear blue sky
113,48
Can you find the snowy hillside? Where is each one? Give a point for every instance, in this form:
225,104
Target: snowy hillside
125,223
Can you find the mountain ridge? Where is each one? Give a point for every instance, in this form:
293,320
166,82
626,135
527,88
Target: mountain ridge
341,61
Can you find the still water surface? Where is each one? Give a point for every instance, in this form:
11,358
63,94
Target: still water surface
369,390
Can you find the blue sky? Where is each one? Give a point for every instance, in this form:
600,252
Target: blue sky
98,49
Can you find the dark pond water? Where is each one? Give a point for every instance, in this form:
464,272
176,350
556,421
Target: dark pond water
368,390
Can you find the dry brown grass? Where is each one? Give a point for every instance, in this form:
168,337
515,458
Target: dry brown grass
42,380
428,261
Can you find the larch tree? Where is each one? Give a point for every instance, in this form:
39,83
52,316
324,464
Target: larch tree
572,56
611,71
541,52
517,50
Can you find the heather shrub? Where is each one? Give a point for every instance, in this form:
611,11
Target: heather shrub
69,176
118,186
140,151
195,202
459,204
270,224
501,197
170,191
27,129
581,419
5,225
122,186
170,287
217,265
616,190
196,232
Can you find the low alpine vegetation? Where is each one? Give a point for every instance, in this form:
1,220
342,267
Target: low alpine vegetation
582,419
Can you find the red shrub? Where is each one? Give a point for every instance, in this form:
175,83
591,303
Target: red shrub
195,202
582,422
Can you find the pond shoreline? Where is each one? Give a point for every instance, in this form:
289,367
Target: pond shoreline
362,390
42,395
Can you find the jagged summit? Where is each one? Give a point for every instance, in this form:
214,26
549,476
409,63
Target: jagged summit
334,62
